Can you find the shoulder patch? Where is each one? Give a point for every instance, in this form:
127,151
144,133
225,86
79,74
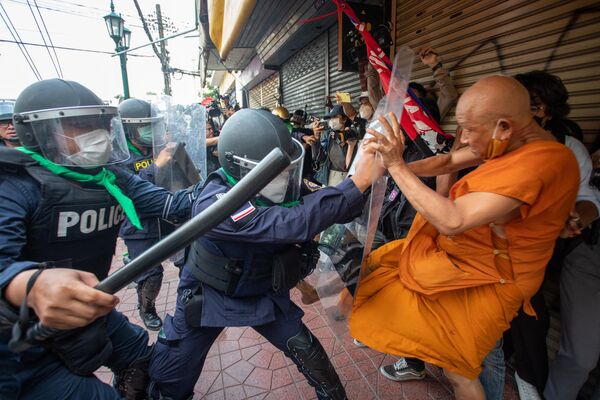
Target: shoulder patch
312,186
243,212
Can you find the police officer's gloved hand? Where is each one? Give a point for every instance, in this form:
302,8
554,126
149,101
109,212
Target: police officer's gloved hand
82,350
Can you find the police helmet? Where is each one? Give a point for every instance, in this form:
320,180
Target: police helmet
68,124
140,119
247,137
281,112
6,110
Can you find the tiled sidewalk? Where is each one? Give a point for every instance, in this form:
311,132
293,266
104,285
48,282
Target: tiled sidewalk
243,365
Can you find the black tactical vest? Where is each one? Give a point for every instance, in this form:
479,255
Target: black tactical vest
150,226
73,223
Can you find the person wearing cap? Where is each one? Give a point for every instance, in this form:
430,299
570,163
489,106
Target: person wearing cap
366,109
8,136
337,145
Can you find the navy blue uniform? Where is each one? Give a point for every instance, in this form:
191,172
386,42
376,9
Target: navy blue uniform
36,373
136,240
250,233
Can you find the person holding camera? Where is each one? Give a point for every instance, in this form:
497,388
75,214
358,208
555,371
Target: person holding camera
337,145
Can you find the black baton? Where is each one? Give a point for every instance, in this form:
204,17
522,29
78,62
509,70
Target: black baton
271,166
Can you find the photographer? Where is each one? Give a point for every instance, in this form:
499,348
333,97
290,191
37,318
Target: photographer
337,146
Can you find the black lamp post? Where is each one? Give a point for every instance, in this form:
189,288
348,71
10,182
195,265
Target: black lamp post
122,37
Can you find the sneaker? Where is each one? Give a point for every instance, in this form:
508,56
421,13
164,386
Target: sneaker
401,371
358,343
526,390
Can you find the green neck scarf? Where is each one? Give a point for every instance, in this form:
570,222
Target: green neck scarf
103,178
260,202
289,126
133,149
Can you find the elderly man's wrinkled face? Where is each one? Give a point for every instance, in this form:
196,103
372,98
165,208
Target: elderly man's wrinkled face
474,134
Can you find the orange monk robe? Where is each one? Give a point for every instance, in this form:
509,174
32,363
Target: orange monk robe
447,300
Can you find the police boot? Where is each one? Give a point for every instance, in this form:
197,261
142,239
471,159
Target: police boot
312,360
147,292
132,382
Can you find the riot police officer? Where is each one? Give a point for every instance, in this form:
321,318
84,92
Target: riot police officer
139,122
61,205
240,273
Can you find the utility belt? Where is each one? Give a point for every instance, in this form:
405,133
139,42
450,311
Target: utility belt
277,272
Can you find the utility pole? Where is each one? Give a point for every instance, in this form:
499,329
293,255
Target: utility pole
163,51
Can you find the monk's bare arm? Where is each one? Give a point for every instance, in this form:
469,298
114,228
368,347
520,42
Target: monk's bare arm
445,163
452,217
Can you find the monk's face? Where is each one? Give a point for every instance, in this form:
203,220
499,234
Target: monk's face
492,107
476,133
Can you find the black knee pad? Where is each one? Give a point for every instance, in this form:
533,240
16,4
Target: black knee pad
312,360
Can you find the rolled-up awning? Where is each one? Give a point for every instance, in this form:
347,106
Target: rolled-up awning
227,19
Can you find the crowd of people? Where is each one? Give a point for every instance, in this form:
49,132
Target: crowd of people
464,241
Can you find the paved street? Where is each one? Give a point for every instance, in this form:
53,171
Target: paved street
243,365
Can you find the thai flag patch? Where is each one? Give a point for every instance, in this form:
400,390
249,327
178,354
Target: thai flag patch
243,212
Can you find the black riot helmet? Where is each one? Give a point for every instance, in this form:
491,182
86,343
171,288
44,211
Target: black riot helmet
68,124
141,121
247,137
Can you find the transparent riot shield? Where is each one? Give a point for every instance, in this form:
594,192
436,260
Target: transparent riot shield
179,143
179,149
337,277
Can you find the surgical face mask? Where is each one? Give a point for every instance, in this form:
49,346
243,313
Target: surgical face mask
276,190
94,149
365,111
145,135
335,124
495,147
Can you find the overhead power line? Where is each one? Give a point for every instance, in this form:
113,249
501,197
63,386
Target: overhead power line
49,38
84,14
54,63
67,48
15,35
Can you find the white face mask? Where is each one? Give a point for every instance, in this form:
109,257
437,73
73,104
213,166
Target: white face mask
94,149
365,112
276,189
336,125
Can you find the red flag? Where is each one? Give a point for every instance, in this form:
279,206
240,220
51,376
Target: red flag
414,121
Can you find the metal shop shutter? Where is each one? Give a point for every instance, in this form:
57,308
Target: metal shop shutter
303,78
338,80
266,93
477,38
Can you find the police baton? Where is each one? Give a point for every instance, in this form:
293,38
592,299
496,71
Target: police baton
271,166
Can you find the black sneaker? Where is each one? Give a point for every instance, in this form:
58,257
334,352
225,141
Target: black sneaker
402,371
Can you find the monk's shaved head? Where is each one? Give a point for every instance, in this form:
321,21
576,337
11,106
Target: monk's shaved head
495,97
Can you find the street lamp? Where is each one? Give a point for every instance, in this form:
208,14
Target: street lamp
121,37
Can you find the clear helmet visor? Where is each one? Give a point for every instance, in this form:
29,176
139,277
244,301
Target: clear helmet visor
286,186
87,137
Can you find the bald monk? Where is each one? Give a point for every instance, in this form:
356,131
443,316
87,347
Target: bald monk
448,291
